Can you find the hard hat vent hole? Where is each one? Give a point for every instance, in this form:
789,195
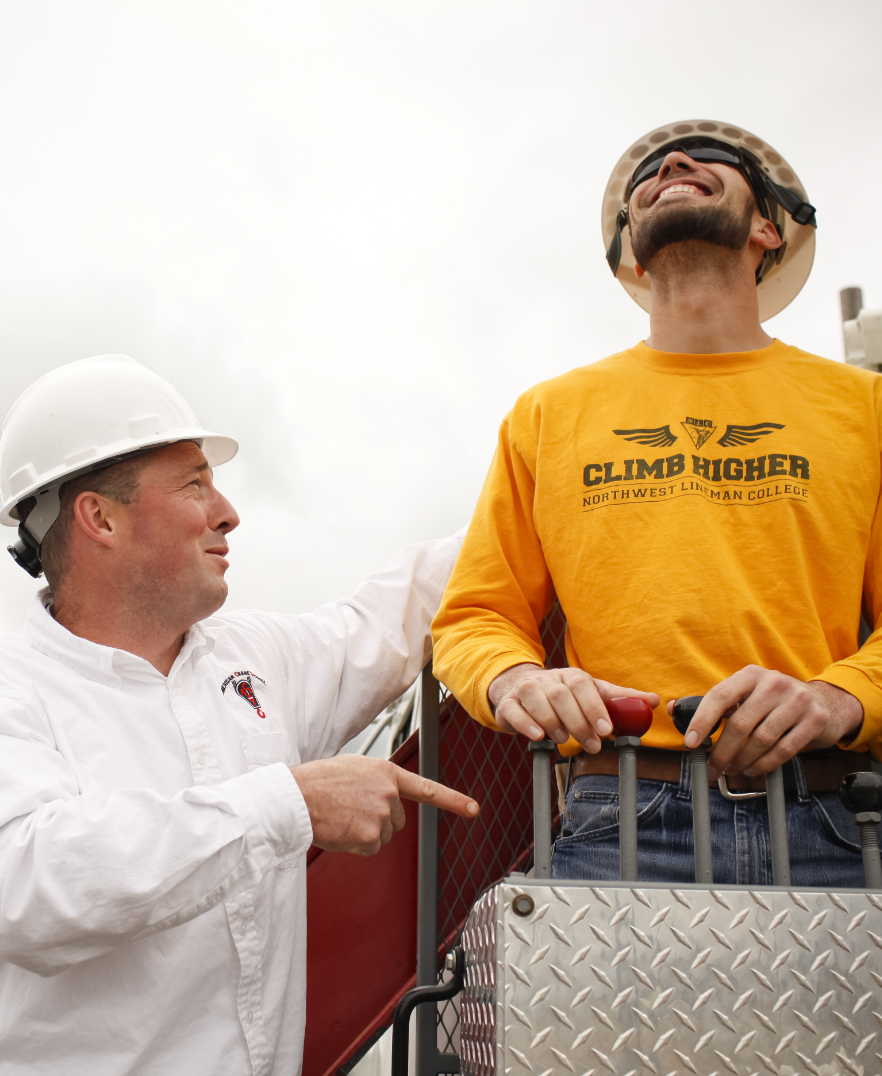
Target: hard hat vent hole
785,175
683,128
639,152
731,132
754,142
659,136
708,126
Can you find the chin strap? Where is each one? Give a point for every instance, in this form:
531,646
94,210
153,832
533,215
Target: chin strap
614,254
26,551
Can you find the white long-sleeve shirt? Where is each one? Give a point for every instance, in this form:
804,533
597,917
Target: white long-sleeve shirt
152,837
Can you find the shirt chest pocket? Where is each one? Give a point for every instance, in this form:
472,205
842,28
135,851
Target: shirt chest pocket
265,749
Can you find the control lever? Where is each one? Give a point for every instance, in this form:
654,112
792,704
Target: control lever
774,804
861,793
630,719
542,751
684,711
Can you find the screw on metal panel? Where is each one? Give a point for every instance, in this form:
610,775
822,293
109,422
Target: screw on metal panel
522,904
450,962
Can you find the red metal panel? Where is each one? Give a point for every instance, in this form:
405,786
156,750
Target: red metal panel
361,939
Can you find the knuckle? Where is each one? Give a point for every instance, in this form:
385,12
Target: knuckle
766,736
558,692
739,722
428,788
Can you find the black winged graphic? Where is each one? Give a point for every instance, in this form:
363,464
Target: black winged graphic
660,437
746,435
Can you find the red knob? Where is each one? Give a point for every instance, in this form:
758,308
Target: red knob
630,717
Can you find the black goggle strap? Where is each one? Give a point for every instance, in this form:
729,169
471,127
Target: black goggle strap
801,212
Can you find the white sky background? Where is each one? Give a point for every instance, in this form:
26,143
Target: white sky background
353,232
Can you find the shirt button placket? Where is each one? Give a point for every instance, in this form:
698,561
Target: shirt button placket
250,977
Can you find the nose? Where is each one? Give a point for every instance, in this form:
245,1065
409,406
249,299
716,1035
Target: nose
675,160
225,514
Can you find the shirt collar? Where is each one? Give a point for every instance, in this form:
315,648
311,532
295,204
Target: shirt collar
102,664
667,362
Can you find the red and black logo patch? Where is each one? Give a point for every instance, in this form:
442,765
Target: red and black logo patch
242,685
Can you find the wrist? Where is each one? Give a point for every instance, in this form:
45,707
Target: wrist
508,680
846,709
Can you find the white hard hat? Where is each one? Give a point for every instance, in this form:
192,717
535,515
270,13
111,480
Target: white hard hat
776,187
81,416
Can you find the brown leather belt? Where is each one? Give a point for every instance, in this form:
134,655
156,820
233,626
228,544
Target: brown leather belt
823,770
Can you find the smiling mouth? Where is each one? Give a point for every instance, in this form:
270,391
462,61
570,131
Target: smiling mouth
682,188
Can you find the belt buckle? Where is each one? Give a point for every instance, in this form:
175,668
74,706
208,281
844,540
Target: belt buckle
729,795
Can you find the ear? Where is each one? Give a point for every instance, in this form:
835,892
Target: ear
639,270
764,233
94,515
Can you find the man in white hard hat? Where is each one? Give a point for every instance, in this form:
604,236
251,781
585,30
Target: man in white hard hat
705,508
164,769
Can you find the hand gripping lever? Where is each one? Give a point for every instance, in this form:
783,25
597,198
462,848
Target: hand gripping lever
862,795
684,711
630,719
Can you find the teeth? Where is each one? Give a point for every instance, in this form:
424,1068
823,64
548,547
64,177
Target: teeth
680,188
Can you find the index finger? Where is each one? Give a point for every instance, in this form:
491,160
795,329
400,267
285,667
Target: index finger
421,790
718,703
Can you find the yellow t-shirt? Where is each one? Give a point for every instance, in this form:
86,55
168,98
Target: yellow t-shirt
693,514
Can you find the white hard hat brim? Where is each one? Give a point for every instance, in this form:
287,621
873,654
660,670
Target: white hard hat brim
217,449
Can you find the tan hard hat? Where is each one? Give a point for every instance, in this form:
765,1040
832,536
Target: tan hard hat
781,282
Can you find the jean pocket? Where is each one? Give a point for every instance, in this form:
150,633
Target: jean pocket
593,807
836,820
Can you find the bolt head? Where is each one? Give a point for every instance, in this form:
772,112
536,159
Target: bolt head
522,905
862,791
629,717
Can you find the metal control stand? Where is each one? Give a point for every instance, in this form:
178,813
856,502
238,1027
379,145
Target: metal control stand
535,951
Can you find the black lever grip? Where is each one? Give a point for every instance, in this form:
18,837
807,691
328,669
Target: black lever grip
684,711
862,792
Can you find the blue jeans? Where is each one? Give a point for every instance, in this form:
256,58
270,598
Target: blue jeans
824,842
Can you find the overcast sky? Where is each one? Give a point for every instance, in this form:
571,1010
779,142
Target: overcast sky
353,232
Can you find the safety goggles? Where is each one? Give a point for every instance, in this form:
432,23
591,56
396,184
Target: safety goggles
706,150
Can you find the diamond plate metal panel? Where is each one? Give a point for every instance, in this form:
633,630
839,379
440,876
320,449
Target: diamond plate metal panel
653,980
480,1037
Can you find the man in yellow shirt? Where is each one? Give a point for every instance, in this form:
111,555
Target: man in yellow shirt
705,508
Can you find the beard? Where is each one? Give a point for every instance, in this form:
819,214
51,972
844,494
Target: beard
717,226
